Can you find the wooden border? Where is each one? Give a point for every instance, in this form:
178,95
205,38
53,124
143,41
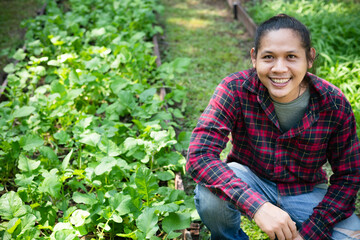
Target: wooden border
243,17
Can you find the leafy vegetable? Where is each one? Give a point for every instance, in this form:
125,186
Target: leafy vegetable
87,143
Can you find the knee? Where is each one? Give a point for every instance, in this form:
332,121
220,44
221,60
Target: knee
205,200
209,205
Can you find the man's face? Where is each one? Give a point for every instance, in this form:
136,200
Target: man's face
281,64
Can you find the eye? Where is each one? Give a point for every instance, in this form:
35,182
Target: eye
291,56
268,57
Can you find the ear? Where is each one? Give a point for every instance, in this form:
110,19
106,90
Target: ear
253,57
312,57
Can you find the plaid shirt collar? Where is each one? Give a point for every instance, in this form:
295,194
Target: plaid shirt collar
319,101
319,92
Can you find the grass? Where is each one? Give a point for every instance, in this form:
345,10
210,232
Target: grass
12,13
205,32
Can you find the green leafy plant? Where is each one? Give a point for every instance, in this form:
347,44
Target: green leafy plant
87,143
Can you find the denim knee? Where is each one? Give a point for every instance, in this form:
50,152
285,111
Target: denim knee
219,216
208,205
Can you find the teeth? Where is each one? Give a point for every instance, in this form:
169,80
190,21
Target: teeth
280,80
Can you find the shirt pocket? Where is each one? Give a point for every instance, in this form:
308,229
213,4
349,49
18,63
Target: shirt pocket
310,155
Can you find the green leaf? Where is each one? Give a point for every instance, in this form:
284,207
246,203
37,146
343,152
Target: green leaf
48,153
109,147
126,98
168,159
116,217
73,76
19,55
94,63
62,136
38,70
10,68
121,203
97,32
183,141
11,206
91,139
165,176
66,160
27,165
146,183
78,217
13,225
177,113
27,226
147,95
147,222
118,83
105,166
31,142
57,87
131,235
89,198
63,231
53,63
74,93
169,207
125,55
23,111
176,221
86,78
64,57
51,184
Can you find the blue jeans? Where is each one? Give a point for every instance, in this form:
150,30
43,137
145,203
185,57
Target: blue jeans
223,220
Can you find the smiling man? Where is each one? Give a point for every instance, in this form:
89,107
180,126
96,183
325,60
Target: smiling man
285,125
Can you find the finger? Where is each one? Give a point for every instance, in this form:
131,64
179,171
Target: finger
272,236
292,226
287,233
280,235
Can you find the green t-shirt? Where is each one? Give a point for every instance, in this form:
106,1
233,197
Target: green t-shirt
289,114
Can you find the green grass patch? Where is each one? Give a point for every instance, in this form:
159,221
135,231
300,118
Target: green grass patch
205,32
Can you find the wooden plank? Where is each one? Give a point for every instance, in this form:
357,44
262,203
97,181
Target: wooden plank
243,17
246,20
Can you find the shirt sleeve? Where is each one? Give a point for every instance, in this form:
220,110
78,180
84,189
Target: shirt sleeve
339,201
208,139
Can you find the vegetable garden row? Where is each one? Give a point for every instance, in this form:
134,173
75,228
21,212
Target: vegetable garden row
88,147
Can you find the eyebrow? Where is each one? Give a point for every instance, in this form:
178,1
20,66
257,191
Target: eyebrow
268,51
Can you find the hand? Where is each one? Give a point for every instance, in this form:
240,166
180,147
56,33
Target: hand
298,237
275,222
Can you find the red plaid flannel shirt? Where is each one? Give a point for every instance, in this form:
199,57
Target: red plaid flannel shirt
293,160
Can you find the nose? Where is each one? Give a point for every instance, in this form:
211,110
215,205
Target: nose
279,66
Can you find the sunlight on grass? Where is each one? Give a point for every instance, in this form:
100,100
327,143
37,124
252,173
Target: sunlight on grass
191,24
